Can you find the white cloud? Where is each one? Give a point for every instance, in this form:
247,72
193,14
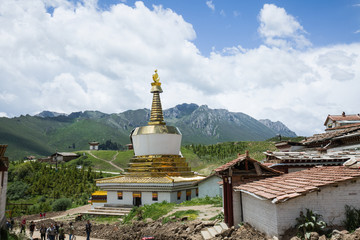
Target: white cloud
2,114
210,5
222,13
280,29
80,58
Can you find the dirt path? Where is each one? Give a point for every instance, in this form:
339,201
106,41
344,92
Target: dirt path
110,162
206,211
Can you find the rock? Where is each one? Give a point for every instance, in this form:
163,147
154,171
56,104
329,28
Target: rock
336,232
275,238
226,233
322,237
188,230
314,236
185,218
295,238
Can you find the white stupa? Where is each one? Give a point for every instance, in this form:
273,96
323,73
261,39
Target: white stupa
158,172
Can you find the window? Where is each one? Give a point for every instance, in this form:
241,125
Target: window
188,194
178,195
197,192
154,196
120,195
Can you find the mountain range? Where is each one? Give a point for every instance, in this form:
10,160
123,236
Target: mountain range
47,131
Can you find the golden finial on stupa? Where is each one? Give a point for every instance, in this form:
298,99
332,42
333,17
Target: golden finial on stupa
156,116
156,77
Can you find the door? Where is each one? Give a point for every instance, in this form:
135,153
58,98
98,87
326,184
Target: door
137,199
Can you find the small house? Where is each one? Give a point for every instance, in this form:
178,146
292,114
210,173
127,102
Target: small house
64,156
336,121
94,145
272,205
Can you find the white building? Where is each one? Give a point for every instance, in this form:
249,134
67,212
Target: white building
209,186
94,145
4,164
158,172
273,204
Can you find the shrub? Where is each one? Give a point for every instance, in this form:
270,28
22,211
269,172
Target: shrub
17,190
216,201
352,218
310,222
61,204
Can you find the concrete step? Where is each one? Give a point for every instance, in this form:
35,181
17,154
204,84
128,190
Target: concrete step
212,231
106,213
110,210
218,228
224,226
114,208
206,235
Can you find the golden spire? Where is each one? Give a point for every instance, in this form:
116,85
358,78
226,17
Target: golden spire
156,117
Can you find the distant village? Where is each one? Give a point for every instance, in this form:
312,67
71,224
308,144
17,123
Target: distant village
321,173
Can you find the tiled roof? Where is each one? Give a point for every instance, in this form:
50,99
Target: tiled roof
291,185
351,117
306,157
168,179
331,134
66,154
242,158
231,163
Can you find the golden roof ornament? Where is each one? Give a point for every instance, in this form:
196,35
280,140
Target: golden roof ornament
156,116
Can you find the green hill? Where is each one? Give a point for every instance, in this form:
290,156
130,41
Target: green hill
43,134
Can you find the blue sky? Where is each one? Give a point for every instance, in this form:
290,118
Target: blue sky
235,22
289,61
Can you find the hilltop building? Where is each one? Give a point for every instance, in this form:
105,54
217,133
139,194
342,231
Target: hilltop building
4,165
94,145
158,171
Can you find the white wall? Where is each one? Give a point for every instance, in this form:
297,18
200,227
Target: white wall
236,208
275,219
329,202
210,187
146,197
261,214
3,196
152,144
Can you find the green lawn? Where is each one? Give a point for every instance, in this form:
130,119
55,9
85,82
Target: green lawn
105,154
123,158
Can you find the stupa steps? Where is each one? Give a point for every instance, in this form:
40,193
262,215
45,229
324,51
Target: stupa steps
160,174
159,160
157,164
158,169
